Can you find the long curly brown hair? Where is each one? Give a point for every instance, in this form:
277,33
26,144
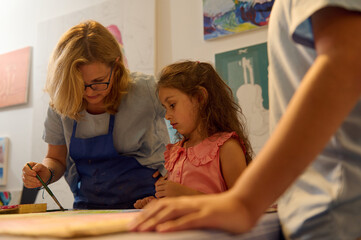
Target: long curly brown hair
219,112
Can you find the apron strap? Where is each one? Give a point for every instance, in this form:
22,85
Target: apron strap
111,124
74,129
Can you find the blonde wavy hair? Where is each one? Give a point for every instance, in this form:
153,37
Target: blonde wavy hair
85,43
219,112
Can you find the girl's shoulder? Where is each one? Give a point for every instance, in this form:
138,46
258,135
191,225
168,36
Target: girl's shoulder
218,139
207,150
200,154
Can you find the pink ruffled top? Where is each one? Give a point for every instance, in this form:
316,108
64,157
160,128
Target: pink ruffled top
198,167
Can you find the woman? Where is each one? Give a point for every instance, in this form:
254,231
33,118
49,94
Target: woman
105,128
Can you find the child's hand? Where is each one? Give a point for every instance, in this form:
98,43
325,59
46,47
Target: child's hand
165,188
141,203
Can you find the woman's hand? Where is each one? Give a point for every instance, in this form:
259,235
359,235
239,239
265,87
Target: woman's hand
221,211
29,176
166,188
156,174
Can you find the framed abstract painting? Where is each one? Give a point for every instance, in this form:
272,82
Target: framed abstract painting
225,17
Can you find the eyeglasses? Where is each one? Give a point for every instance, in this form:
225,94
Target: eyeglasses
101,86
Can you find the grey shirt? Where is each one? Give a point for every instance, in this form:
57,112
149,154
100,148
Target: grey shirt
139,128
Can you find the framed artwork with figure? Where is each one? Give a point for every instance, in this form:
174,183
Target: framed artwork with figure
245,70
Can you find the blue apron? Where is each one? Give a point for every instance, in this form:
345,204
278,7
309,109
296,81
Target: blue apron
107,180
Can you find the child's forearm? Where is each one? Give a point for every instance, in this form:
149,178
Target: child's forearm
166,188
190,191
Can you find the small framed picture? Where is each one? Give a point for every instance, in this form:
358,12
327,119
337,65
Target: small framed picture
4,150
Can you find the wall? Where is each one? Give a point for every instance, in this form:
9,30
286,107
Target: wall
179,35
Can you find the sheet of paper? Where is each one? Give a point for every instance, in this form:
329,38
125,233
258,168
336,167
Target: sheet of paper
67,224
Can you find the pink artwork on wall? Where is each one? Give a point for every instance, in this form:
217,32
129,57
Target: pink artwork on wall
14,77
118,35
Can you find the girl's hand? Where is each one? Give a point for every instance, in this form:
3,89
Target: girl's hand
141,203
165,188
221,211
29,176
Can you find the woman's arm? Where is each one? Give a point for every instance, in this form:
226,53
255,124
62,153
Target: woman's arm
166,188
55,161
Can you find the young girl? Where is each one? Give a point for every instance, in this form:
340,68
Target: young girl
313,155
214,149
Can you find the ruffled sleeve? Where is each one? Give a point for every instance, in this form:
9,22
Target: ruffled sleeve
207,150
171,155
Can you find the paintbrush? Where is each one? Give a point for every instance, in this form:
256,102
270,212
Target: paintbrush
48,190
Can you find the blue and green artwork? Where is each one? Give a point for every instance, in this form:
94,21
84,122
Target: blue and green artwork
224,17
